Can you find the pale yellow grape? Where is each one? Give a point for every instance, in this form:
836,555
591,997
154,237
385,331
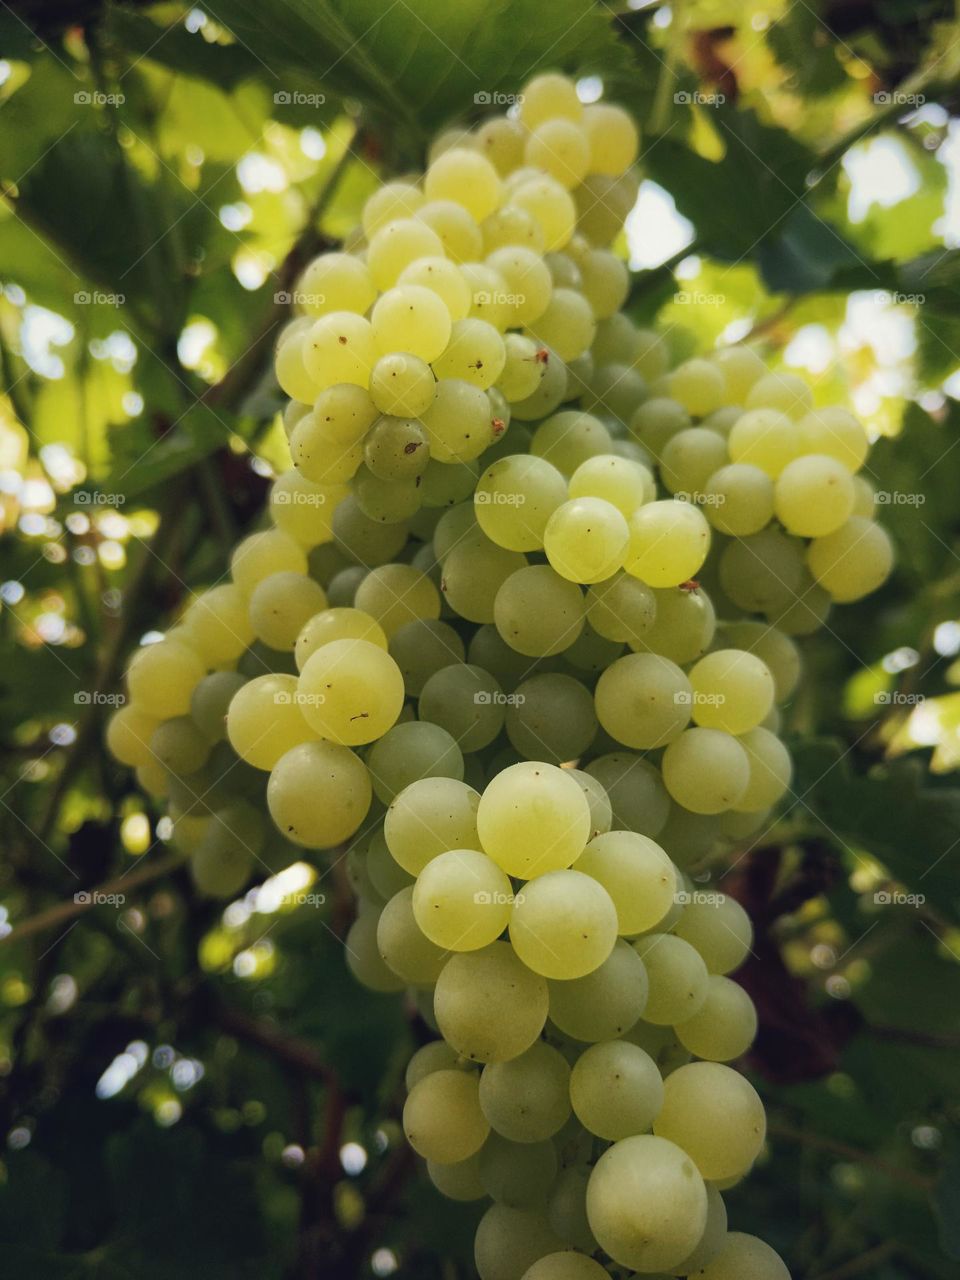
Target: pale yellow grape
161,678
502,141
364,960
345,413
538,613
606,282
669,542
320,459
403,945
720,931
436,1055
548,96
180,746
391,201
625,483
394,246
585,540
518,1174
656,420
715,1115
683,627
219,623
560,148
336,624
603,203
643,700
766,438
853,560
738,499
565,1265
490,295
475,353
522,371
467,178
318,794
612,136
603,1004
527,287
410,318
786,392
763,573
814,496
442,1119
445,279
601,813
395,594
570,438
563,923
128,735
714,1234
552,390
303,509
622,608
725,1026
732,690
459,1181
567,1208
689,459
289,368
339,348
698,385
402,385
262,554
510,225
639,877
264,720
457,228
706,770
462,900
741,367
509,1241
335,282
864,498
551,205
350,691
616,1090
770,770
428,818
489,1006
528,1098
743,1257
677,976
551,717
458,421
457,525
836,433
777,650
567,325
722,420
281,605
473,573
293,411
806,612
534,818
646,1203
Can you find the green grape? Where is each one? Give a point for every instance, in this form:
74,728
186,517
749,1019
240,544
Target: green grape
385,501
714,1234
762,573
409,318
644,700
646,1203
615,389
537,612
616,1090
363,540
339,347
350,692
637,874
456,526
265,720
551,392
318,794
592,653
738,499
515,498
509,1241
603,1004
522,371
852,561
384,872
567,325
502,141
743,1257
396,595
657,420
678,979
621,608
344,413
292,413
489,1006
640,802
732,690
442,1119
457,228
806,613
210,701
551,717
402,385
334,282
518,1174
489,294
179,745
601,812
741,367
765,438
288,365
689,459
281,605
458,422
534,818
706,770
459,1181
473,573
561,149
467,702
528,1098
391,201
770,770
719,929
617,339
688,837
569,439
835,432
567,1208
422,648
683,627
625,484
466,178
434,1056
565,1266
699,386
302,509
547,97
446,280
669,542
563,924
129,731
725,1026
606,282
429,817
336,624
489,650
527,287
410,751
218,624
550,205
475,354
715,1115
260,657
224,859
444,484
325,561
462,900
343,588
662,1045
396,449
510,225
402,945
161,678
395,245
814,496
614,143
364,960
786,392
586,540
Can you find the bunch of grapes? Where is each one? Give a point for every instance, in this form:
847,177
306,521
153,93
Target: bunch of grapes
478,645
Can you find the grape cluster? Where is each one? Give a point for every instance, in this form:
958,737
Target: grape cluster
478,644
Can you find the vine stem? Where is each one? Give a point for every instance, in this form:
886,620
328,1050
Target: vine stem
848,1152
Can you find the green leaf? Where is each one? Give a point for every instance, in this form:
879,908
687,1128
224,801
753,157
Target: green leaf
142,460
947,1199
806,253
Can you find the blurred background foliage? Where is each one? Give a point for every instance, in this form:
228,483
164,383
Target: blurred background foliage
202,1092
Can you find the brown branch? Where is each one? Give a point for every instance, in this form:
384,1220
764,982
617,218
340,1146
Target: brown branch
855,1154
864,1262
286,1048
